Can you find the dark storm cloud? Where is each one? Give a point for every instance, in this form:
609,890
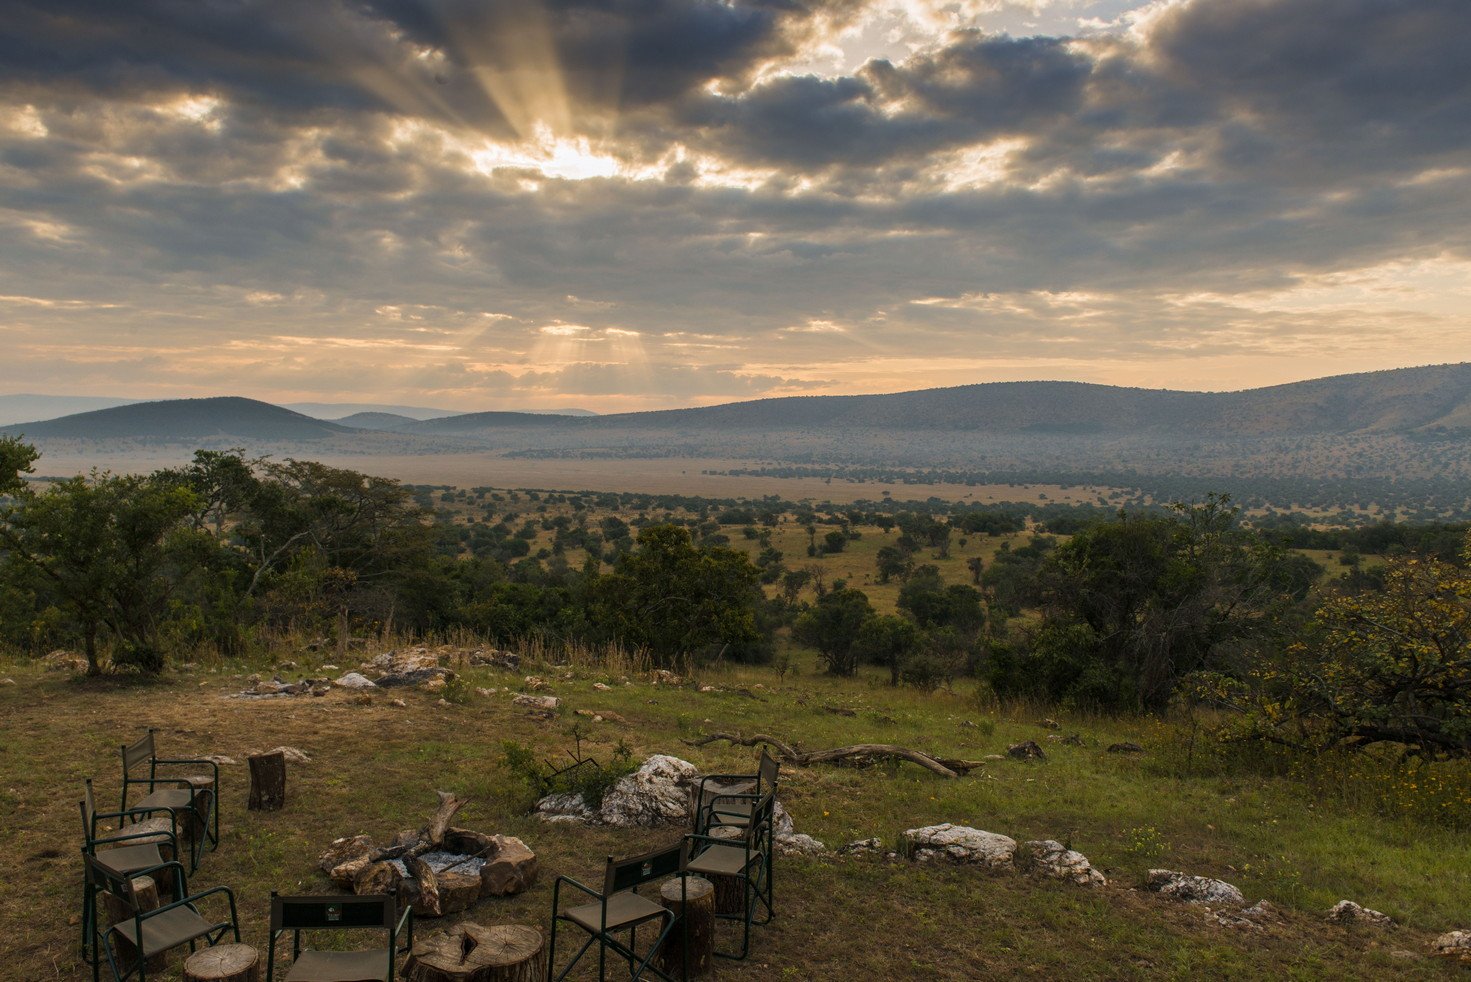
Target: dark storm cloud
1223,147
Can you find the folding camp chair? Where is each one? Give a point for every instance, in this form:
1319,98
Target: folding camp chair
729,799
180,795
330,913
618,908
747,857
134,846
153,932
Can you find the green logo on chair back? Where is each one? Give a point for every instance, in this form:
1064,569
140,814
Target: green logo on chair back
334,913
647,870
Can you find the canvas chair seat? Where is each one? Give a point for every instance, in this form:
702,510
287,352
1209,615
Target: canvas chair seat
160,827
177,799
624,910
169,929
723,861
341,966
129,859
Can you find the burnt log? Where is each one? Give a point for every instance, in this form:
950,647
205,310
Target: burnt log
267,782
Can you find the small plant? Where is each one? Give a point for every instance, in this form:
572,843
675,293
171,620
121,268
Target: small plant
584,777
782,662
1145,842
457,690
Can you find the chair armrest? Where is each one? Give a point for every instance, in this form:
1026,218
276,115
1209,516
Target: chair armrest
214,768
406,918
557,890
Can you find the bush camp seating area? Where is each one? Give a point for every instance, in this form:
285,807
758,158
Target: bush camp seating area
142,903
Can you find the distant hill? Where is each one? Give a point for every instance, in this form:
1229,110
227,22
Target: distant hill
183,420
337,410
23,406
376,421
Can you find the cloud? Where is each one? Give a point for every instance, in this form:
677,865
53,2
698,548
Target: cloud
682,200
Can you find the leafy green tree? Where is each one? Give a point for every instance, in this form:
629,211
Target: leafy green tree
673,598
888,640
932,604
832,626
893,562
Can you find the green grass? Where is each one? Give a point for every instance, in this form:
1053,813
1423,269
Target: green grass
375,767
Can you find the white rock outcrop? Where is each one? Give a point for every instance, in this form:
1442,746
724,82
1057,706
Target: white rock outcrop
1050,858
1454,944
1348,912
356,680
1193,889
960,844
658,793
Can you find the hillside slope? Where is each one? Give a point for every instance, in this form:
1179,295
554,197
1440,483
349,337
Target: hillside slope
183,420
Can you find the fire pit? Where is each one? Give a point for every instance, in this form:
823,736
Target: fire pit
439,869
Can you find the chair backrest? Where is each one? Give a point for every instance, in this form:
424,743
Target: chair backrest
137,754
761,816
89,809
332,911
625,874
767,771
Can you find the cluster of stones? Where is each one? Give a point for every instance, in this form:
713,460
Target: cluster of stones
968,846
470,865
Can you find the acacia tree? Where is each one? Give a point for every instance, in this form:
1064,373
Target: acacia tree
1384,666
887,640
832,626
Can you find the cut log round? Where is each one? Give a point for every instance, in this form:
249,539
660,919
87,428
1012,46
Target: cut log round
457,891
730,895
223,963
267,782
117,910
427,904
471,953
694,911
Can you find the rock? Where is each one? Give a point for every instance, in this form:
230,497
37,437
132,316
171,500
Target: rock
799,844
601,687
534,682
1049,724
1026,750
377,877
510,867
397,702
1194,889
1072,740
564,808
10,681
1454,944
1125,748
286,666
343,849
435,684
708,688
863,847
293,756
1262,910
354,680
329,668
62,660
537,702
345,874
496,659
1348,912
658,793
1048,857
415,676
959,844
661,676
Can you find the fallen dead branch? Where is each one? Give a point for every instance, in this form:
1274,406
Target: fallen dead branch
943,766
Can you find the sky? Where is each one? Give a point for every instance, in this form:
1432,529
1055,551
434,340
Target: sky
638,204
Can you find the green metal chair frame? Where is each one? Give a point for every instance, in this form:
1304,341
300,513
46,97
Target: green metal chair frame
730,803
747,857
208,824
144,853
620,877
331,912
211,932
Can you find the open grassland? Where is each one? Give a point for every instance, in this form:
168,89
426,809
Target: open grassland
375,767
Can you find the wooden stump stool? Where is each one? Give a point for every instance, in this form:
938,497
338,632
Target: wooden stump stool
471,953
698,912
223,963
267,782
117,910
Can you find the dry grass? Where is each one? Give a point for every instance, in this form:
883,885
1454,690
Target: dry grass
375,766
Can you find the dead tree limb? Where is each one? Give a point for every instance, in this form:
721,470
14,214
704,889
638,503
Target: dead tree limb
943,766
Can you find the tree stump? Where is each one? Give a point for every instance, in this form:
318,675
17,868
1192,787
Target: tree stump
267,782
695,924
471,953
223,963
117,910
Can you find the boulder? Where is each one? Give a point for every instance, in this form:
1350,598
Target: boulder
413,676
564,808
1193,889
1348,912
62,660
356,680
1026,750
1126,747
959,844
658,793
457,891
343,849
798,844
863,847
1454,944
510,868
1050,858
379,877
537,702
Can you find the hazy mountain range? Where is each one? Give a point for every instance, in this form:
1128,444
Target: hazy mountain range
25,407
1402,424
